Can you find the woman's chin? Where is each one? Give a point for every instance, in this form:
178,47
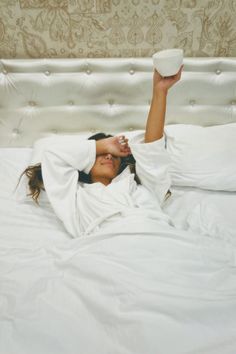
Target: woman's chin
110,171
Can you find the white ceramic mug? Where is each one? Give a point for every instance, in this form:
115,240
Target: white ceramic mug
168,62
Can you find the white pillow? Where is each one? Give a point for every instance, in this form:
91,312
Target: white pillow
203,157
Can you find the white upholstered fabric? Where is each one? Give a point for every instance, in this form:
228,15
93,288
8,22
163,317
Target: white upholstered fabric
43,96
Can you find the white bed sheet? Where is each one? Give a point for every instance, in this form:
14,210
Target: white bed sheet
135,287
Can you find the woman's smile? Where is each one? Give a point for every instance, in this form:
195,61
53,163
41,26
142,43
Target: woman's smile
109,163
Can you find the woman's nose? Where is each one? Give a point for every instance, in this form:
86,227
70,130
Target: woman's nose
109,156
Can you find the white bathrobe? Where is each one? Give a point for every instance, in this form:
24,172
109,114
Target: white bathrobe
86,208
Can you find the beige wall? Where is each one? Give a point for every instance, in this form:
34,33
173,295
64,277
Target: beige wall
116,28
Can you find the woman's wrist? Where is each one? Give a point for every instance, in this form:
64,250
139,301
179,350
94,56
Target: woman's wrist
101,147
159,92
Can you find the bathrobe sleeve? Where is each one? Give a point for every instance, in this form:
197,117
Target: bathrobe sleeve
152,164
60,165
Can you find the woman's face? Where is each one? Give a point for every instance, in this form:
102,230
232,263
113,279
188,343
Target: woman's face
105,168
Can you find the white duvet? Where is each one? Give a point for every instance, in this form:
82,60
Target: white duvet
139,287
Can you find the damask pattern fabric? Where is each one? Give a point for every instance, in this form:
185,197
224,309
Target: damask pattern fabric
116,28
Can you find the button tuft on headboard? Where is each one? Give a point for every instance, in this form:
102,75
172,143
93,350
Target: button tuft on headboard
15,132
47,73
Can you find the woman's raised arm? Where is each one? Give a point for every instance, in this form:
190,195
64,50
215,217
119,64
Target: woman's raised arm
156,117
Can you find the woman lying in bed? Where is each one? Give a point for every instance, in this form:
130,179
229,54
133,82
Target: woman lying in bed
108,188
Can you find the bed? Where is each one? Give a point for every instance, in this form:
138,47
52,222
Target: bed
137,290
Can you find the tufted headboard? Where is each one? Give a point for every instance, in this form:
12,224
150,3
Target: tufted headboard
43,96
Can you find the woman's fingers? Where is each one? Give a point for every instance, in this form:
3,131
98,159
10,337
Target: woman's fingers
124,148
178,75
122,140
124,145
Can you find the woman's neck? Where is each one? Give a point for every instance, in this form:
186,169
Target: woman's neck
102,180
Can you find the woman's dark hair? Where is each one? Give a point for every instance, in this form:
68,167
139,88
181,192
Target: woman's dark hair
35,179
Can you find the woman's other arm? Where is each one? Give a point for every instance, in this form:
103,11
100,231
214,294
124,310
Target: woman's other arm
152,159
156,117
60,165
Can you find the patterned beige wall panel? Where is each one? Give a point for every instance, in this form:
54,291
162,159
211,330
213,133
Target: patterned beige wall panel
116,28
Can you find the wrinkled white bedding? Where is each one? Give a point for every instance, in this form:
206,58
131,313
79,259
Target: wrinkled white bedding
134,287
210,213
